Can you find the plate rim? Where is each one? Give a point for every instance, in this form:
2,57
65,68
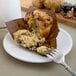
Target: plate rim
71,40
69,49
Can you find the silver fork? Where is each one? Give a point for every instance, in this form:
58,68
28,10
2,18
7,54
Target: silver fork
59,58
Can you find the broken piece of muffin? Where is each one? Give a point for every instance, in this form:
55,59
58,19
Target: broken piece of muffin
37,31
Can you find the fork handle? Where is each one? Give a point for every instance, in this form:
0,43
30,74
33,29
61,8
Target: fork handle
68,68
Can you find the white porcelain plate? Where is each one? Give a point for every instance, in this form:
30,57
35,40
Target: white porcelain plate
64,44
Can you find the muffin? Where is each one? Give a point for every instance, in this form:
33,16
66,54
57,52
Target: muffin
37,31
48,4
